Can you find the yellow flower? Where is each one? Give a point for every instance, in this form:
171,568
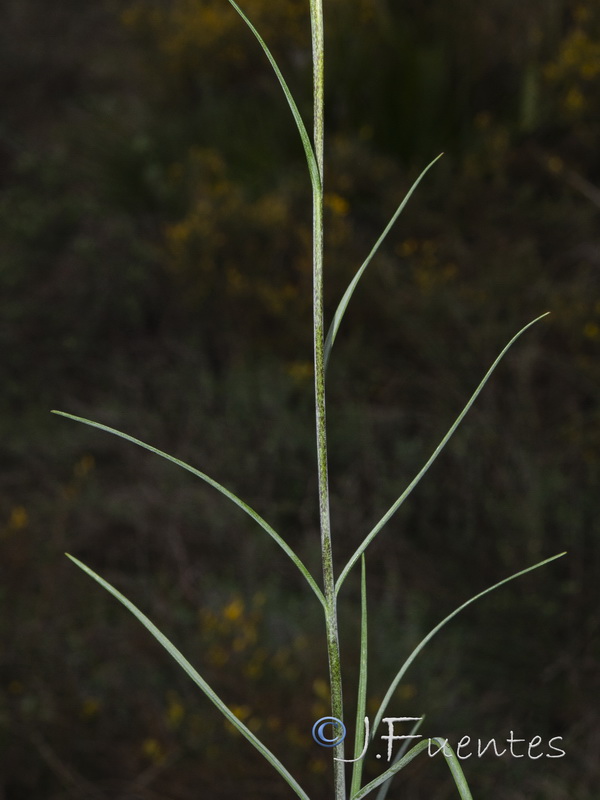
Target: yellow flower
321,689
84,466
90,708
591,330
300,371
339,205
574,100
234,610
153,750
18,518
175,710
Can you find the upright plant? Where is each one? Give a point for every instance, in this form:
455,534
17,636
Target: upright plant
327,595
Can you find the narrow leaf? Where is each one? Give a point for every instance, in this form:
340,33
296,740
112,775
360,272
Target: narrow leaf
384,788
308,148
370,536
359,736
196,677
456,770
341,309
234,499
440,625
451,760
391,771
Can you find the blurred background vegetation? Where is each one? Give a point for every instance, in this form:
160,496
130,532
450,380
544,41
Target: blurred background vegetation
155,275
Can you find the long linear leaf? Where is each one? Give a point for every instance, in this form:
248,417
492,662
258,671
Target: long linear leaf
343,304
196,677
362,686
391,511
384,788
456,770
308,148
234,498
391,771
451,760
402,671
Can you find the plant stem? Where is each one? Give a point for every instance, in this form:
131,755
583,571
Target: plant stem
318,51
333,649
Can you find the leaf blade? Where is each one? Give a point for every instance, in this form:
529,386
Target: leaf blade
359,735
384,788
343,304
391,771
457,772
415,481
215,484
178,656
313,168
451,760
402,671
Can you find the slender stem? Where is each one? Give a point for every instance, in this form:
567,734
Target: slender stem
333,648
316,21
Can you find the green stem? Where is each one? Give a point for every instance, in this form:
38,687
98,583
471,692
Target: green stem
331,624
316,21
